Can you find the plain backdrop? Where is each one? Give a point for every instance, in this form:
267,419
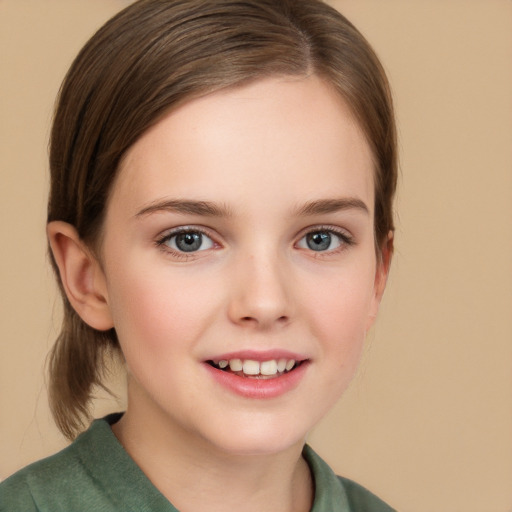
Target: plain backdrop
427,423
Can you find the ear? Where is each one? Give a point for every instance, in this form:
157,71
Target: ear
381,277
81,275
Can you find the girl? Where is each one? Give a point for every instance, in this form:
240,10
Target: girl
220,218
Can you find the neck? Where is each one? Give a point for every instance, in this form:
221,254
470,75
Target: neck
195,476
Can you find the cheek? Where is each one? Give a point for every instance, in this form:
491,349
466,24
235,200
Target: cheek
342,301
339,308
157,310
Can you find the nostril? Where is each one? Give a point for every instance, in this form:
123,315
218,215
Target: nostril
280,319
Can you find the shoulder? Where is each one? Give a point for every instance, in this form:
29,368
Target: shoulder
20,491
59,482
338,494
15,495
93,473
361,499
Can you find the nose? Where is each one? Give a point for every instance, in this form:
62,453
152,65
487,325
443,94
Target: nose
260,294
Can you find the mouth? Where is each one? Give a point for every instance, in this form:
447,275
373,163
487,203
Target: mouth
252,369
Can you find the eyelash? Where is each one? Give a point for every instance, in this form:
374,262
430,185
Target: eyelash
346,240
161,242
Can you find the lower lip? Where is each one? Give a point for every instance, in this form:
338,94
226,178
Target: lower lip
259,388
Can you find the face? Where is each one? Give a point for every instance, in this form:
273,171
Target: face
239,263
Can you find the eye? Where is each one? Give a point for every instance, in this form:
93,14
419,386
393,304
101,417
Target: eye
187,241
323,240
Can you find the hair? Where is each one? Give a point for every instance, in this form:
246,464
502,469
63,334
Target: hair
152,57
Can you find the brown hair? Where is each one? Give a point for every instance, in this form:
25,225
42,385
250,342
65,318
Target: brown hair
155,55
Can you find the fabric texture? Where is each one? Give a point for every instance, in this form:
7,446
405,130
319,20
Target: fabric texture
96,473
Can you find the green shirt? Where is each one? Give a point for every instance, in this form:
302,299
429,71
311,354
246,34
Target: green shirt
95,473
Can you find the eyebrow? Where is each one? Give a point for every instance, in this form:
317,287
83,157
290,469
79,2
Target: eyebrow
209,209
324,206
203,208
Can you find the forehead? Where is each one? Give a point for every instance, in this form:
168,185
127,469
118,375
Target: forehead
279,138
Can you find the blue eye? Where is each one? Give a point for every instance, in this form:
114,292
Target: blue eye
323,240
188,241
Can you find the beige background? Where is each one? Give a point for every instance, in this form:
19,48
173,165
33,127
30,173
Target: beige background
428,422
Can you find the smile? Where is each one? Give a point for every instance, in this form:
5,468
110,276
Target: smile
258,374
256,369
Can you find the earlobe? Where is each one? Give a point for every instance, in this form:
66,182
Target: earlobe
81,275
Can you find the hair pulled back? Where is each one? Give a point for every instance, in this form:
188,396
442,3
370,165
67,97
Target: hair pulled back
150,58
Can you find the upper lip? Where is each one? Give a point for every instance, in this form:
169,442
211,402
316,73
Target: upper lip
259,355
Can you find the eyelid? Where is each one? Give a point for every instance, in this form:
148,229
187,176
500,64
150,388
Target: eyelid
338,230
347,239
161,240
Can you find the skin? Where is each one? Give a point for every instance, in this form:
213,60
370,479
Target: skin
260,154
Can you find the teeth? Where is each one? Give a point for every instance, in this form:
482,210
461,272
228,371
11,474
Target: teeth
253,368
281,365
268,367
235,365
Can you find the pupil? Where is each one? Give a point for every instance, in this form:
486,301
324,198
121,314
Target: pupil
319,241
189,242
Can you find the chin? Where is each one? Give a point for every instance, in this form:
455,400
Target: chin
261,438
262,447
